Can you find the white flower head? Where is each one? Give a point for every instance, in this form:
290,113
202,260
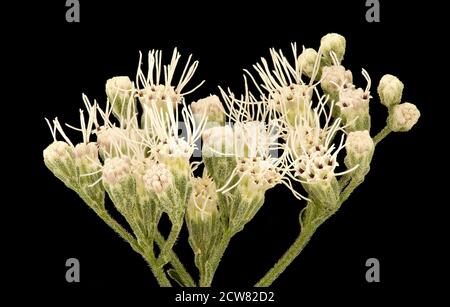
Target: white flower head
312,154
160,92
287,92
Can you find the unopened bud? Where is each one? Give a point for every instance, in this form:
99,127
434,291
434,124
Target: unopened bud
333,42
390,90
307,60
119,91
212,108
403,117
359,147
158,178
59,157
116,170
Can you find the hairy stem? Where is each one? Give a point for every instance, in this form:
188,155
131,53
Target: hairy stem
381,135
186,278
288,257
166,248
207,276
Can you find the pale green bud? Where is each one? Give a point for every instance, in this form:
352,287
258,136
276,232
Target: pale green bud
306,61
59,157
403,117
218,151
212,107
120,93
390,90
359,147
333,42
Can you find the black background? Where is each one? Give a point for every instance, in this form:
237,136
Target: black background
392,216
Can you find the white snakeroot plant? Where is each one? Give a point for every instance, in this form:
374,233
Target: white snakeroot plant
290,127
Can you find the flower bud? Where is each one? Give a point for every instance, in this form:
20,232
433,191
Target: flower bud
390,90
218,153
119,91
335,77
359,147
59,157
403,117
333,42
86,153
158,178
212,107
116,170
307,60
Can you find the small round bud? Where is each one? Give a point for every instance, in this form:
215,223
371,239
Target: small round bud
119,91
403,117
118,86
333,42
86,151
212,107
359,143
335,77
359,147
58,151
115,170
390,90
157,178
307,60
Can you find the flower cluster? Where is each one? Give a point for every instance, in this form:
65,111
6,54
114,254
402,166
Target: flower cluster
289,127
